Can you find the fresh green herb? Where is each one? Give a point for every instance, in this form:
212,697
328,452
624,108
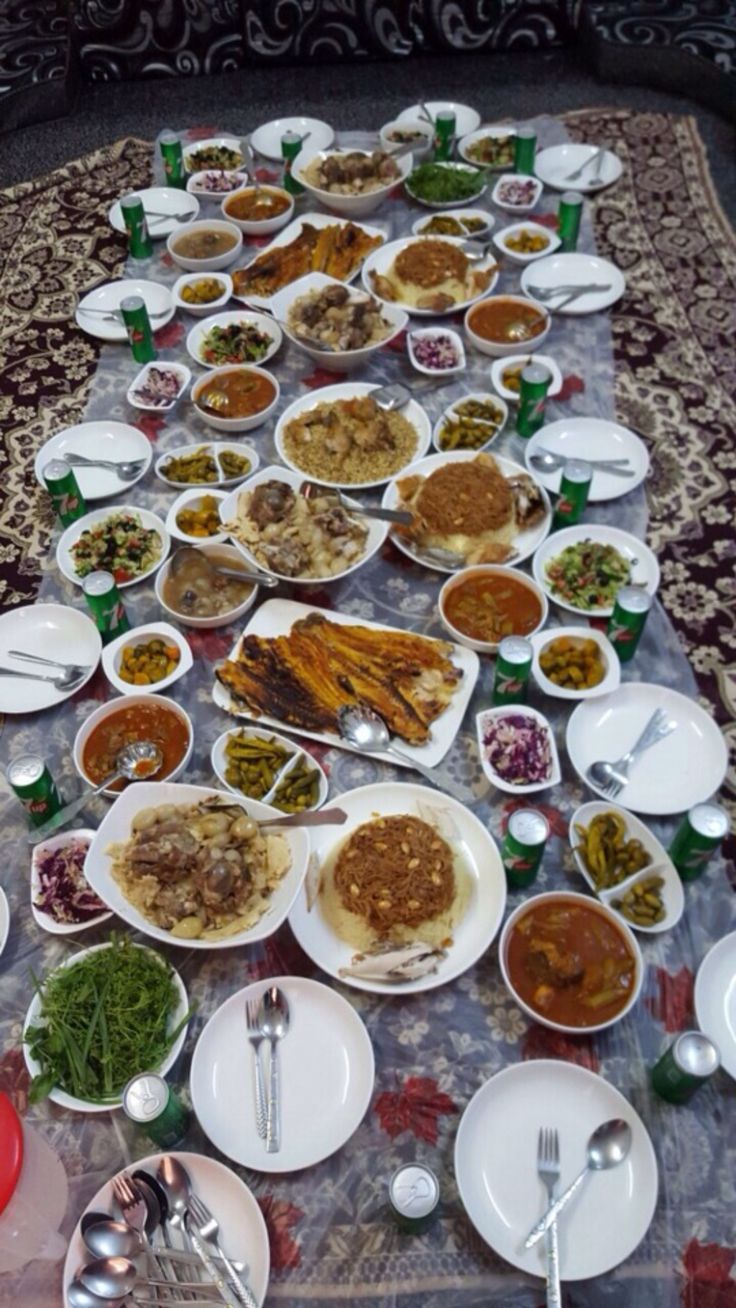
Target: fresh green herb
102,1020
442,183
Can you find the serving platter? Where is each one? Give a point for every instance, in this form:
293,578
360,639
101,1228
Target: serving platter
288,234
338,360
381,260
591,438
117,441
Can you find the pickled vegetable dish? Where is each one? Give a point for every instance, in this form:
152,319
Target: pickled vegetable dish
490,607
200,518
254,765
148,662
124,726
588,574
609,854
573,662
203,291
470,425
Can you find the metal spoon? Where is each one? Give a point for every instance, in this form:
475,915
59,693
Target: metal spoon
550,463
80,1297
250,156
257,578
63,681
607,1147
596,157
274,1022
113,1278
321,817
76,668
368,732
311,488
612,777
129,761
128,470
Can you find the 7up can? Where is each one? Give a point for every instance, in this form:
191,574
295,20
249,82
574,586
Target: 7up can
138,327
684,1067
627,621
444,135
173,158
526,835
152,1104
568,220
35,788
513,665
291,144
699,834
525,147
103,597
66,496
140,245
535,382
574,489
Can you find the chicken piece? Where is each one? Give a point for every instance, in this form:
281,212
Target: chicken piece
528,502
437,301
382,286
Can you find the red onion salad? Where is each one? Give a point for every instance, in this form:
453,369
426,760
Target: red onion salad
63,892
215,181
518,190
160,387
439,351
518,748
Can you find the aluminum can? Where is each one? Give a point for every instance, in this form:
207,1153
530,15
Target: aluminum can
697,837
414,1197
140,245
525,148
151,1104
685,1066
138,327
535,382
627,621
35,788
573,495
63,488
106,606
568,220
291,144
513,665
444,135
523,846
173,158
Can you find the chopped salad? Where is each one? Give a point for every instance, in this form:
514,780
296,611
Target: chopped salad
588,574
119,544
238,342
518,749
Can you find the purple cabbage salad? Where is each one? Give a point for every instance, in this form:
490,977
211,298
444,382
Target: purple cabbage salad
63,892
518,748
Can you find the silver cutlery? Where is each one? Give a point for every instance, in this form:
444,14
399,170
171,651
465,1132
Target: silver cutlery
310,488
595,158
157,1198
612,777
76,669
368,732
111,1239
187,217
594,463
392,396
127,470
256,1038
127,764
64,681
250,156
546,293
208,1229
134,1212
274,1015
548,1169
80,1297
114,1278
607,1147
544,462
175,1180
115,315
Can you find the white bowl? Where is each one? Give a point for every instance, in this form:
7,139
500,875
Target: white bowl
488,570
467,201
216,448
150,521
219,762
480,135
673,894
191,264
224,142
377,531
33,1016
197,184
335,360
643,562
261,321
44,920
466,119
230,557
420,148
202,310
351,206
114,706
112,657
570,897
262,226
501,184
192,499
419,333
419,224
611,663
499,349
160,200
451,412
180,369
382,259
537,229
505,710
266,139
499,366
234,424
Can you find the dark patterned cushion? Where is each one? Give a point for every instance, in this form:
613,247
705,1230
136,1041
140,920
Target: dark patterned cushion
37,69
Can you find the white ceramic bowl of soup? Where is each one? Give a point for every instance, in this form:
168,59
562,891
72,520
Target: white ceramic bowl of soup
394,135
126,704
220,421
498,348
193,233
258,226
509,576
202,620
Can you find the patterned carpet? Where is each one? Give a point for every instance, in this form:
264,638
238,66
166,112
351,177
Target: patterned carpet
675,364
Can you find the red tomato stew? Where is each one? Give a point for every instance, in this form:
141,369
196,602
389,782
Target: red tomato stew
128,724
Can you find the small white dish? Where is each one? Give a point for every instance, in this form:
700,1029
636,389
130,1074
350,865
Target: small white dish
229,557
112,657
158,200
209,185
507,186
591,438
488,570
466,119
487,716
499,368
575,270
380,261
455,167
643,564
506,349
192,499
501,134
218,759
260,321
117,441
440,334
349,206
134,696
150,521
258,226
45,630
107,299
420,225
193,165
266,139
234,424
216,448
45,920
611,680
418,133
501,238
183,376
192,264
673,895
335,360
494,429
4,920
202,310
715,999
553,166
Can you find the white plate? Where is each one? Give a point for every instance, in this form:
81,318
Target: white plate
45,920
507,205
541,639
276,617
526,542
262,323
382,259
643,563
499,366
459,214
553,165
500,238
337,360
455,166
412,411
216,448
192,497
466,119
218,760
49,631
115,826
480,135
33,1018
476,929
685,768
150,521
496,1168
715,999
4,920
117,441
485,717
673,895
575,270
591,438
243,1232
228,142
289,234
266,139
326,1070
179,370
158,300
158,200
113,653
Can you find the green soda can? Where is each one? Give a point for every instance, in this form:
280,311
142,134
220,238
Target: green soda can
291,144
534,383
513,665
414,1197
574,489
140,245
684,1067
35,788
525,148
151,1104
173,158
103,597
568,220
138,327
626,623
521,853
63,488
697,837
444,135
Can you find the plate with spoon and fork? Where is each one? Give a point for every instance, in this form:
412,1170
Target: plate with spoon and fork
577,167
573,284
165,208
618,456
29,679
98,312
106,456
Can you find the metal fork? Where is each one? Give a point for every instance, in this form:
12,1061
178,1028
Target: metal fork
610,778
596,157
73,669
548,1169
256,1037
134,1212
208,1229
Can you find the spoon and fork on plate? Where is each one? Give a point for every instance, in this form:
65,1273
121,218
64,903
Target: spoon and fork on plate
127,470
543,460
69,676
611,778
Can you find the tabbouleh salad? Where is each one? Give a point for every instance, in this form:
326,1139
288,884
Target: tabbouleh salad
119,544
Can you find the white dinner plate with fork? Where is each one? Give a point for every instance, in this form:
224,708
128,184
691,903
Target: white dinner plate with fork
165,207
116,442
555,166
563,273
98,312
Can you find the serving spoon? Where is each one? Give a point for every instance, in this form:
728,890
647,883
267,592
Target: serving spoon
367,731
256,578
113,1278
137,762
62,681
607,1147
311,488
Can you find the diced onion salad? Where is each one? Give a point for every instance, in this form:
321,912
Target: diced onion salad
518,748
63,891
438,352
518,190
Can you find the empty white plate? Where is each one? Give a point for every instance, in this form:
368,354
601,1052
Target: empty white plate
574,270
116,441
49,631
106,299
554,165
715,999
326,1076
180,206
591,438
266,139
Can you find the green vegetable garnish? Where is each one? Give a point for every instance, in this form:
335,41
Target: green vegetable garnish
442,184
103,1020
